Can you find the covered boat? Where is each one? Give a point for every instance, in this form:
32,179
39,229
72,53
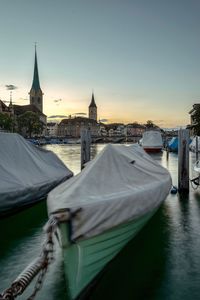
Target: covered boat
195,143
104,207
173,144
152,141
27,172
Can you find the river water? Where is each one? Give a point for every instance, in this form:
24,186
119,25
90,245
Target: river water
161,262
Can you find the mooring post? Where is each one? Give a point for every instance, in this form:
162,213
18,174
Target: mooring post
197,148
183,161
167,151
85,146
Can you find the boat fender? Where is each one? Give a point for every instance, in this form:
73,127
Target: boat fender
174,190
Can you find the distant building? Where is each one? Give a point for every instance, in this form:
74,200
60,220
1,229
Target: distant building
21,109
73,126
92,109
5,109
135,129
52,129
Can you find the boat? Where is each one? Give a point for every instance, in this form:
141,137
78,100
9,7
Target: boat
103,208
152,141
195,142
173,144
27,173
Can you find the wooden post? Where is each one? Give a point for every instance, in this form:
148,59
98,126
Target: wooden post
85,147
167,151
183,161
197,148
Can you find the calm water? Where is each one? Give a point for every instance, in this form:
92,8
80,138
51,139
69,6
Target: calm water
162,262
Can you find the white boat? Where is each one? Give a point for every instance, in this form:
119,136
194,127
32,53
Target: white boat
27,172
104,207
152,141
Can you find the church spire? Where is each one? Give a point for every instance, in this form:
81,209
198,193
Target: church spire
36,81
36,95
92,104
93,109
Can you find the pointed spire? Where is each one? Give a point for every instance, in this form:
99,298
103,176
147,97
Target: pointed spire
10,98
36,82
92,104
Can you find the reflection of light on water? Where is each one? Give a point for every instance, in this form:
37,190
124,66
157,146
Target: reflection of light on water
71,154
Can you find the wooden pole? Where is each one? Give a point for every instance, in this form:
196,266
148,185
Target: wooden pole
85,147
197,148
183,161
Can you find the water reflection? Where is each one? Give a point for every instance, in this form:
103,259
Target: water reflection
162,262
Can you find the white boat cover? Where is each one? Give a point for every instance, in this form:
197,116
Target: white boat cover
152,139
27,172
120,184
193,144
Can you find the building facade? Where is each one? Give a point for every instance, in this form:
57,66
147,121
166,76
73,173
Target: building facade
135,129
72,127
52,129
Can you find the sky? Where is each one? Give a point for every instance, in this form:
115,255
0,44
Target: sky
140,57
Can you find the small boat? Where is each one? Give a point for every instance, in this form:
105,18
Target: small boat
103,208
173,144
152,141
27,173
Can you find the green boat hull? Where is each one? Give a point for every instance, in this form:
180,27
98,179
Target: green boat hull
85,259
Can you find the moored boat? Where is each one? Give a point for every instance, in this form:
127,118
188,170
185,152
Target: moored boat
173,144
195,143
152,141
28,173
104,207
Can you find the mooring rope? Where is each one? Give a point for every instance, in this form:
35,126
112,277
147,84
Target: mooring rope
39,266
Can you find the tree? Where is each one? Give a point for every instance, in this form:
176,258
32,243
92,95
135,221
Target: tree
196,120
150,124
29,123
6,122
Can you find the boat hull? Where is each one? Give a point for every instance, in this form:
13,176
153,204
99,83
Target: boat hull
153,150
85,259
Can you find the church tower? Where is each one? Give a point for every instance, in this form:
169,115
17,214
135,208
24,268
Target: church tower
36,94
93,109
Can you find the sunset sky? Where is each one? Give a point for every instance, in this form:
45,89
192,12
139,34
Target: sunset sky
141,57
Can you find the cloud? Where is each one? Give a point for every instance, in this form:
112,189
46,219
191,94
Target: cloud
80,113
10,87
57,117
103,120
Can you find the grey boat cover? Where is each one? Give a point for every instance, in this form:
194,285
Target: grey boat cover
121,184
27,172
